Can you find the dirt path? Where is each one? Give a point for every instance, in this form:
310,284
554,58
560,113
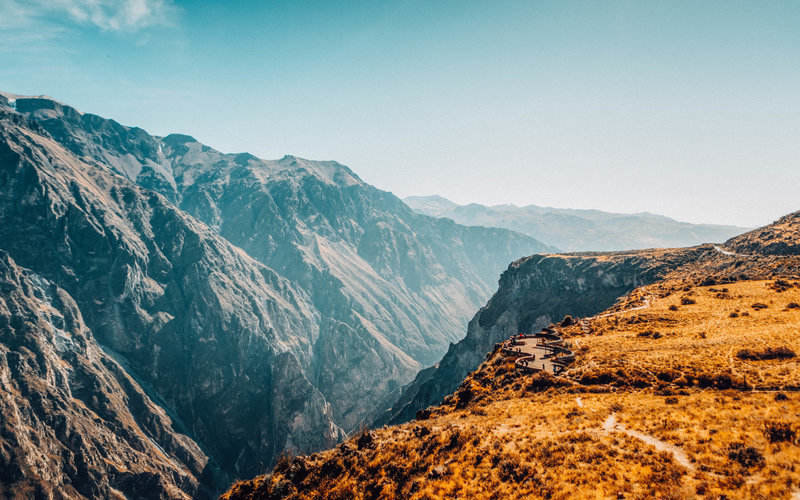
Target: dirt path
731,254
637,308
611,425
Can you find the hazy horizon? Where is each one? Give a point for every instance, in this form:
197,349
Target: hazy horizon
678,109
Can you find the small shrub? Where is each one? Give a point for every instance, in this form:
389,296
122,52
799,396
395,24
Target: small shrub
780,285
777,432
781,397
793,305
541,381
597,377
686,301
671,400
514,471
759,305
573,413
733,315
365,441
567,321
673,307
463,397
421,431
747,456
455,440
423,414
438,472
331,468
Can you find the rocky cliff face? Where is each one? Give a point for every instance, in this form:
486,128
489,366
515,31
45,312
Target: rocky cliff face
263,305
74,421
534,292
216,336
387,289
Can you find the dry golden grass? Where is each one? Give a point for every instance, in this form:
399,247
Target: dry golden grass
548,445
686,422
697,343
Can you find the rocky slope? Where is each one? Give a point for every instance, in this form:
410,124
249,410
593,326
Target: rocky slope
217,337
578,230
534,292
74,421
264,306
780,238
388,289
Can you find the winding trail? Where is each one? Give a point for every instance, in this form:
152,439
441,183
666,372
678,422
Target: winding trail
611,425
646,304
732,254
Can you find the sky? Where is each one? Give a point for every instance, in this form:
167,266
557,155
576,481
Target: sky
687,109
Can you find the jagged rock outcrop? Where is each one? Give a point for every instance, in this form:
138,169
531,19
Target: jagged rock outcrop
535,291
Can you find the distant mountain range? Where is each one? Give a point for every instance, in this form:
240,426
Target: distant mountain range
578,230
172,317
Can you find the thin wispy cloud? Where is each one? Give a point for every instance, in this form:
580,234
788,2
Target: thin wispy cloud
106,15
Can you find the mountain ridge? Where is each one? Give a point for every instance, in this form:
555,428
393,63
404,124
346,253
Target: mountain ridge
267,305
579,229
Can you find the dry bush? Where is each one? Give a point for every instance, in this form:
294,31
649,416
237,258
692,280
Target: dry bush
650,334
365,440
463,397
780,285
767,353
777,432
747,456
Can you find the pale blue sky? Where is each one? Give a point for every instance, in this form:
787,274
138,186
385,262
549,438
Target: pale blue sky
690,109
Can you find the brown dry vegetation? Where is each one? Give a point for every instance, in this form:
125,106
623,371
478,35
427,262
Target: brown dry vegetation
659,404
707,343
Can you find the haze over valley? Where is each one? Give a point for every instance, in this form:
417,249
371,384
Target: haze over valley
578,230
